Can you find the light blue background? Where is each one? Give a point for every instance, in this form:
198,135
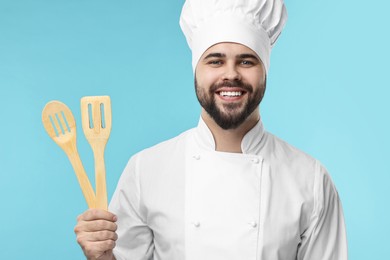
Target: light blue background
327,94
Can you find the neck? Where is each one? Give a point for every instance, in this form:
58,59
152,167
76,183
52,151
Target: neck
230,140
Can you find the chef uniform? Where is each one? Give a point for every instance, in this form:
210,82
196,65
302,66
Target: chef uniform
182,200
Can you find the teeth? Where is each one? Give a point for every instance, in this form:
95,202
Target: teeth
230,93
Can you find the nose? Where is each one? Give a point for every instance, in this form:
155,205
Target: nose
231,73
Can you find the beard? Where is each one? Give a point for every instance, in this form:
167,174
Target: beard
230,115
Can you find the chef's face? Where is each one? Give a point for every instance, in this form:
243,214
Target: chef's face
230,83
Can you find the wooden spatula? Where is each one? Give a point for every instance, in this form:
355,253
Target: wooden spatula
59,123
96,121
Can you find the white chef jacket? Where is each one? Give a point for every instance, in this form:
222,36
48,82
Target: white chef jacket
182,200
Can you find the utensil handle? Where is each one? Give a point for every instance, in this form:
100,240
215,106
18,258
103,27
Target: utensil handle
81,175
100,175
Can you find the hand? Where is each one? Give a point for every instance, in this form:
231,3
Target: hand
95,231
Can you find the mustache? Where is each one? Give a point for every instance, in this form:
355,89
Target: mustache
232,84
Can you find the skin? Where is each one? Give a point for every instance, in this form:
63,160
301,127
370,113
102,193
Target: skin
229,62
95,231
223,62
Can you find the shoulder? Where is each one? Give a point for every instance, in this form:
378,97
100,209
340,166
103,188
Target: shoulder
277,149
162,152
156,159
294,164
171,145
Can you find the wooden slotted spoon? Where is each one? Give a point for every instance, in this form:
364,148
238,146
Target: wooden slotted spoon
59,123
96,122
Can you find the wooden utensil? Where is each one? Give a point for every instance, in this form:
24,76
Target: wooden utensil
96,122
59,123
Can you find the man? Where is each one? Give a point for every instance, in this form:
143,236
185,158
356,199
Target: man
226,189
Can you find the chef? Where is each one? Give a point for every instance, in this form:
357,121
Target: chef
227,189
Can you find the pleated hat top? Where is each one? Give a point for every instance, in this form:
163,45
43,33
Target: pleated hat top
256,24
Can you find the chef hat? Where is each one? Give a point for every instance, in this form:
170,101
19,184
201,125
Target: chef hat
254,23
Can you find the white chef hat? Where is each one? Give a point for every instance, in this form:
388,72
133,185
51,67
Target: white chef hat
254,23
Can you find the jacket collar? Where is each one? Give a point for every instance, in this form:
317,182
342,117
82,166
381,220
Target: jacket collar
251,143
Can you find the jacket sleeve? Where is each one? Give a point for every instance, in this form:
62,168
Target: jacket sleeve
325,238
135,238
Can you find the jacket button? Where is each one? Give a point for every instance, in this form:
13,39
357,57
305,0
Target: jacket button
253,224
196,224
196,157
255,160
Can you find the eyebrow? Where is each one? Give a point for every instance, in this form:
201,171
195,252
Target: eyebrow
247,55
214,55
222,55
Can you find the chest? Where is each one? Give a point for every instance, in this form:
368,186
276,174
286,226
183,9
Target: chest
223,206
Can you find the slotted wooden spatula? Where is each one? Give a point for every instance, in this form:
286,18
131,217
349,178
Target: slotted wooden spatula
96,121
59,123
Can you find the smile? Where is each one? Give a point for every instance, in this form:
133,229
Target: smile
230,93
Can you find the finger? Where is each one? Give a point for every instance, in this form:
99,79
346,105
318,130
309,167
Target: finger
94,214
98,225
97,249
98,236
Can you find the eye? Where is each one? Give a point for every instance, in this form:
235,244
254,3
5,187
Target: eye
215,62
247,63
